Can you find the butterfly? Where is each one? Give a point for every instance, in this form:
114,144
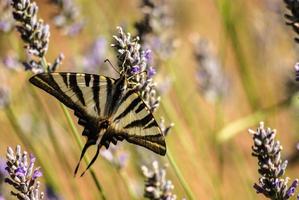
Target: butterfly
107,109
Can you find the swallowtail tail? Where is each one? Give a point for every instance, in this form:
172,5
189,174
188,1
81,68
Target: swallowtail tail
106,109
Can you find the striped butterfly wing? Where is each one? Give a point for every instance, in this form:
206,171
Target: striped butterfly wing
86,94
134,122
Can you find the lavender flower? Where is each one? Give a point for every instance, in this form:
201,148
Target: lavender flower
134,63
156,185
271,167
293,17
35,35
6,19
69,17
211,79
94,57
50,194
3,174
11,61
22,174
155,28
115,156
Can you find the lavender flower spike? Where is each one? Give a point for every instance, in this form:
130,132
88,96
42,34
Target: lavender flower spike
271,167
156,185
35,35
22,175
33,31
293,17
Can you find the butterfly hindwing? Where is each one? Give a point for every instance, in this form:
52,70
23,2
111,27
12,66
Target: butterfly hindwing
137,125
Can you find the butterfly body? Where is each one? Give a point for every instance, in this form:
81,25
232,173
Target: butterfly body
106,108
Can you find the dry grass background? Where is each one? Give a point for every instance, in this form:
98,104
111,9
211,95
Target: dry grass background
261,43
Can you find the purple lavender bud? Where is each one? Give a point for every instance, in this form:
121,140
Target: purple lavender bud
297,71
21,171
36,174
148,55
32,158
151,72
292,189
135,69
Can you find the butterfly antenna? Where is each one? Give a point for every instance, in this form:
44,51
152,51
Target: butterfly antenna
86,146
92,161
107,60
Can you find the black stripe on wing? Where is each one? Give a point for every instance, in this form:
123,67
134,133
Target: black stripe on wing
131,107
140,122
155,142
75,88
46,82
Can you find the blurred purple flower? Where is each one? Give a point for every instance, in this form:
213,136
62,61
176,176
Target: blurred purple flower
6,19
11,61
151,72
69,18
212,81
115,156
95,55
51,195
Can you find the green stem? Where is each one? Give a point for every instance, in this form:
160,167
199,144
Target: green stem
180,176
124,176
79,143
54,140
22,136
239,125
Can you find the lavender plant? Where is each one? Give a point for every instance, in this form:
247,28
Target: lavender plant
271,167
157,187
69,18
133,60
6,19
293,16
35,35
115,156
22,174
3,174
155,28
212,82
94,57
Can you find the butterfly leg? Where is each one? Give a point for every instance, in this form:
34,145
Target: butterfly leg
93,159
86,146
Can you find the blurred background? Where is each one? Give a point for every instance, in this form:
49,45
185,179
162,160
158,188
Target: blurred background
224,66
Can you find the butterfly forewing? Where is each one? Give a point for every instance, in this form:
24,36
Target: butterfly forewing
84,93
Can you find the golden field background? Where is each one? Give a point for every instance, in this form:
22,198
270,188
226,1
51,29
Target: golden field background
209,142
